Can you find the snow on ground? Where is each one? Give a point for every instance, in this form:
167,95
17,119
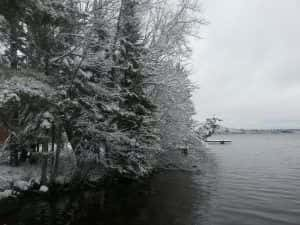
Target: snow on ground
21,177
44,188
18,176
6,194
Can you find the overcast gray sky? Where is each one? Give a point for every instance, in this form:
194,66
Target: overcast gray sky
247,65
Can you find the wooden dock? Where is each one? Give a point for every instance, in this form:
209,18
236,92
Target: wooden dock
219,141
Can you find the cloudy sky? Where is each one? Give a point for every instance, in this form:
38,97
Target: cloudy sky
247,65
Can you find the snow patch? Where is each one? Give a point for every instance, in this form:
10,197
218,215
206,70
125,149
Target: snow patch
21,185
46,124
44,188
6,194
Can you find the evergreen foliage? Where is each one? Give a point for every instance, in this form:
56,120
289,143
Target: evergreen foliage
93,70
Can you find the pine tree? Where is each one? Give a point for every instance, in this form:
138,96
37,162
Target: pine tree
136,118
13,30
96,85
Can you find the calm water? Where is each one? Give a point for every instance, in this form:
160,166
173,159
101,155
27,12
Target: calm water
255,180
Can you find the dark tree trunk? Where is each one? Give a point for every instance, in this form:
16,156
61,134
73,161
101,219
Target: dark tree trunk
23,156
44,163
59,146
14,159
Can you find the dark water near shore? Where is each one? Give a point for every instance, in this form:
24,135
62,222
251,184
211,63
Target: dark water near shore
255,180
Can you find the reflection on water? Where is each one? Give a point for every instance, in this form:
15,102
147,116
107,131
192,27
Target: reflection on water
255,180
170,197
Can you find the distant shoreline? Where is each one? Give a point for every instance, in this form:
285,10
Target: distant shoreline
223,131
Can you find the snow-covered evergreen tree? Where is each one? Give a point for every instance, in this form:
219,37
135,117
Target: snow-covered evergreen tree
136,119
98,71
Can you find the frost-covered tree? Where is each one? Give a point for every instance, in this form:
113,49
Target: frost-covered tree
166,32
208,128
173,98
28,109
136,119
12,29
114,73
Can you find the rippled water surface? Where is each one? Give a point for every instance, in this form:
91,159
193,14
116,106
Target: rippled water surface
255,180
258,180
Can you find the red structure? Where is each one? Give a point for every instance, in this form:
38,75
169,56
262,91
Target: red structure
3,135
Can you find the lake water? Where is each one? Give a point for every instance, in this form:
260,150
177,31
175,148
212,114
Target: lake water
255,180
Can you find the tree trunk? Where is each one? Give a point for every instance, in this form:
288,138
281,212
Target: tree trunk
44,163
14,159
59,146
23,156
117,34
